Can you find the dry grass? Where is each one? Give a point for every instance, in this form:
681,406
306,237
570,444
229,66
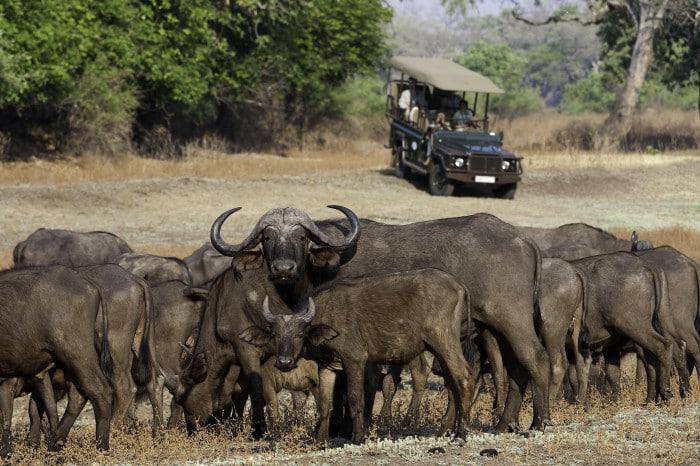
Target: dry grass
622,431
553,131
200,163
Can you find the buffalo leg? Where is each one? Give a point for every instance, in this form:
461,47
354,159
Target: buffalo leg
640,373
460,380
326,384
526,360
658,345
34,435
420,370
390,384
98,391
558,362
7,401
273,410
498,371
612,373
355,370
340,422
175,413
76,403
250,365
692,341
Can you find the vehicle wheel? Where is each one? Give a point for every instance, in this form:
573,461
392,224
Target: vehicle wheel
400,170
438,183
506,191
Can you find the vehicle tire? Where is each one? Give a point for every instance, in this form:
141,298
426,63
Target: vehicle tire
506,191
400,170
438,183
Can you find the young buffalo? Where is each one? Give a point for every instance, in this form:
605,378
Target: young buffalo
387,319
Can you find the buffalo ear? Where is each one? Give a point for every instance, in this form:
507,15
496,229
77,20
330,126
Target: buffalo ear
247,260
255,336
320,333
324,258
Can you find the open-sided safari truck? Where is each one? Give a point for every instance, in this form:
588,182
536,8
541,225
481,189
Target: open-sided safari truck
433,132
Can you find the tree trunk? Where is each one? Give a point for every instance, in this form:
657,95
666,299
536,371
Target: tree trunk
651,13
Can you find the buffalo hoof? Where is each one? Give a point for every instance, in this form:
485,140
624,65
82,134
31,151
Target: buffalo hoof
513,428
666,394
56,445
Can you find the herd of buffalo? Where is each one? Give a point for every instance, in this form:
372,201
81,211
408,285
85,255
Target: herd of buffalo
337,308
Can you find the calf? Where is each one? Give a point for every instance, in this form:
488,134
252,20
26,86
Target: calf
48,317
388,319
301,381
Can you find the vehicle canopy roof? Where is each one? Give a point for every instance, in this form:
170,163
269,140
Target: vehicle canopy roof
444,74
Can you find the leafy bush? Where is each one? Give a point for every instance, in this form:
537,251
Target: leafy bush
506,68
655,95
360,97
587,95
103,108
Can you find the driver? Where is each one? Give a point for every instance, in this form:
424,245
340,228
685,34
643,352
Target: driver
463,115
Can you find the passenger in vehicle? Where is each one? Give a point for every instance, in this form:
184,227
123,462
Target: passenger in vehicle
463,116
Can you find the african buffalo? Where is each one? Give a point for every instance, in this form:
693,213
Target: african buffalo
205,264
578,240
69,248
387,319
488,257
683,276
177,310
300,381
49,316
563,311
155,269
627,302
291,237
126,302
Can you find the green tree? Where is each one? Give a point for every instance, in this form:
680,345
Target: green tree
507,69
588,95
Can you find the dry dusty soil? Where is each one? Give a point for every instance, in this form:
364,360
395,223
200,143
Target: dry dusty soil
172,215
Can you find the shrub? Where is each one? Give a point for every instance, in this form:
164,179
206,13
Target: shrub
361,97
102,107
588,95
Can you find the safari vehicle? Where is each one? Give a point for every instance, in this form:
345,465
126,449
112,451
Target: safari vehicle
423,98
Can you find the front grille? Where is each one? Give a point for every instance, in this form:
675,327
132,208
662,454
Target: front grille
485,164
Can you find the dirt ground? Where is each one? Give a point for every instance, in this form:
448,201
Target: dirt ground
165,210
173,213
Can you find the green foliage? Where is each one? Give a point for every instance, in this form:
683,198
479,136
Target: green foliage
658,96
506,68
91,64
588,95
360,97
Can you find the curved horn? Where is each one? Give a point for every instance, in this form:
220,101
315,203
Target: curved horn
231,249
321,238
310,312
269,317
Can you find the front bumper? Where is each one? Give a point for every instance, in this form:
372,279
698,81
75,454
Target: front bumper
470,177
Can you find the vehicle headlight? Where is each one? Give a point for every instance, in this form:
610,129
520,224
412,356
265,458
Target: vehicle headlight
459,162
505,165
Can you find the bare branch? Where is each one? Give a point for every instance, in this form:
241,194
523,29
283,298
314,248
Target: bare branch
518,15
